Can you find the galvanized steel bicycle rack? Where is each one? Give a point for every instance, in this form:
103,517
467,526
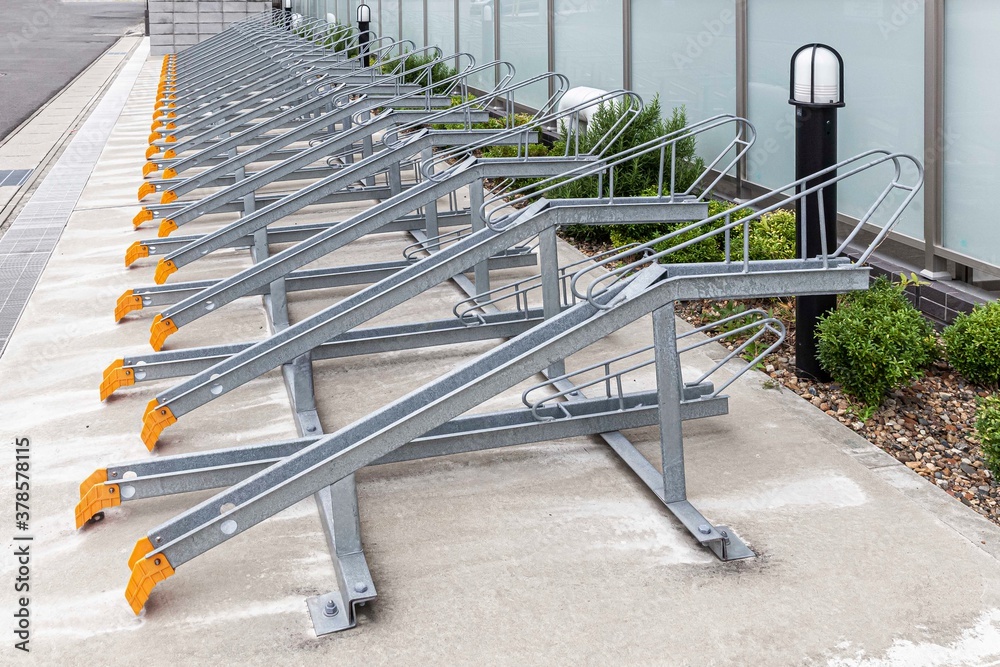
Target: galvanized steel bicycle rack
264,479
360,111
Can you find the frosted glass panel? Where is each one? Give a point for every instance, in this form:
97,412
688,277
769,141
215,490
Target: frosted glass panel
588,42
882,42
413,21
475,36
685,51
972,158
390,19
524,43
441,24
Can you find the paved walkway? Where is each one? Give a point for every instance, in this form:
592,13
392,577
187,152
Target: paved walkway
44,44
544,554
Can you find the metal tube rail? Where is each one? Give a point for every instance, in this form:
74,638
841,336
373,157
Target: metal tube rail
801,189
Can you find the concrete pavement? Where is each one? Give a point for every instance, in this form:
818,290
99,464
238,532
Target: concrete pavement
543,554
46,44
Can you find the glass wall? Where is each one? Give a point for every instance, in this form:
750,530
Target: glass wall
441,24
588,42
376,25
686,53
883,49
524,42
413,21
970,142
390,19
475,36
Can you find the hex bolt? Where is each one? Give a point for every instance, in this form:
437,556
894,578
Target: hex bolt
704,529
331,609
360,587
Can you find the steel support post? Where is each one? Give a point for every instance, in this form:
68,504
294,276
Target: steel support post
668,383
481,272
548,260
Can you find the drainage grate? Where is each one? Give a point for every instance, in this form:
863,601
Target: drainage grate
15,177
26,245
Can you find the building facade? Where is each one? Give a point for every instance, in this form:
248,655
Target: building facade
920,79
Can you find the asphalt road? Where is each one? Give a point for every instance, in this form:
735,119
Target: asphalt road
44,44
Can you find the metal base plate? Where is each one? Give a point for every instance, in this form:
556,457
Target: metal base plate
329,613
730,547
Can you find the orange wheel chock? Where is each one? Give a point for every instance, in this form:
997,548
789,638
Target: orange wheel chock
167,227
146,189
151,151
164,268
147,571
135,251
159,330
139,551
149,168
144,215
169,154
157,418
157,124
154,136
171,139
116,376
169,173
97,498
168,196
127,302
99,476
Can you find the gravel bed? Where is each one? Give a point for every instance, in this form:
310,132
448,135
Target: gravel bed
929,426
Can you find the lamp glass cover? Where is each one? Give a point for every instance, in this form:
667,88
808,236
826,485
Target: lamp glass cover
825,89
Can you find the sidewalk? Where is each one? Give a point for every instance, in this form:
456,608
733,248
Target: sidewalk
35,143
540,554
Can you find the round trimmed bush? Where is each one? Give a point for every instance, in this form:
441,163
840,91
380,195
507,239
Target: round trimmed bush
875,342
988,429
973,344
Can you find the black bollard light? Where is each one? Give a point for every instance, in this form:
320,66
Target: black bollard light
364,19
817,92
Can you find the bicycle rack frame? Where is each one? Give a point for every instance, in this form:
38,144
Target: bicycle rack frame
579,307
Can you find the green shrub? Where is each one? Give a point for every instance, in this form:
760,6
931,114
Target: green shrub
638,177
875,342
973,344
772,236
988,430
642,173
710,250
439,71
